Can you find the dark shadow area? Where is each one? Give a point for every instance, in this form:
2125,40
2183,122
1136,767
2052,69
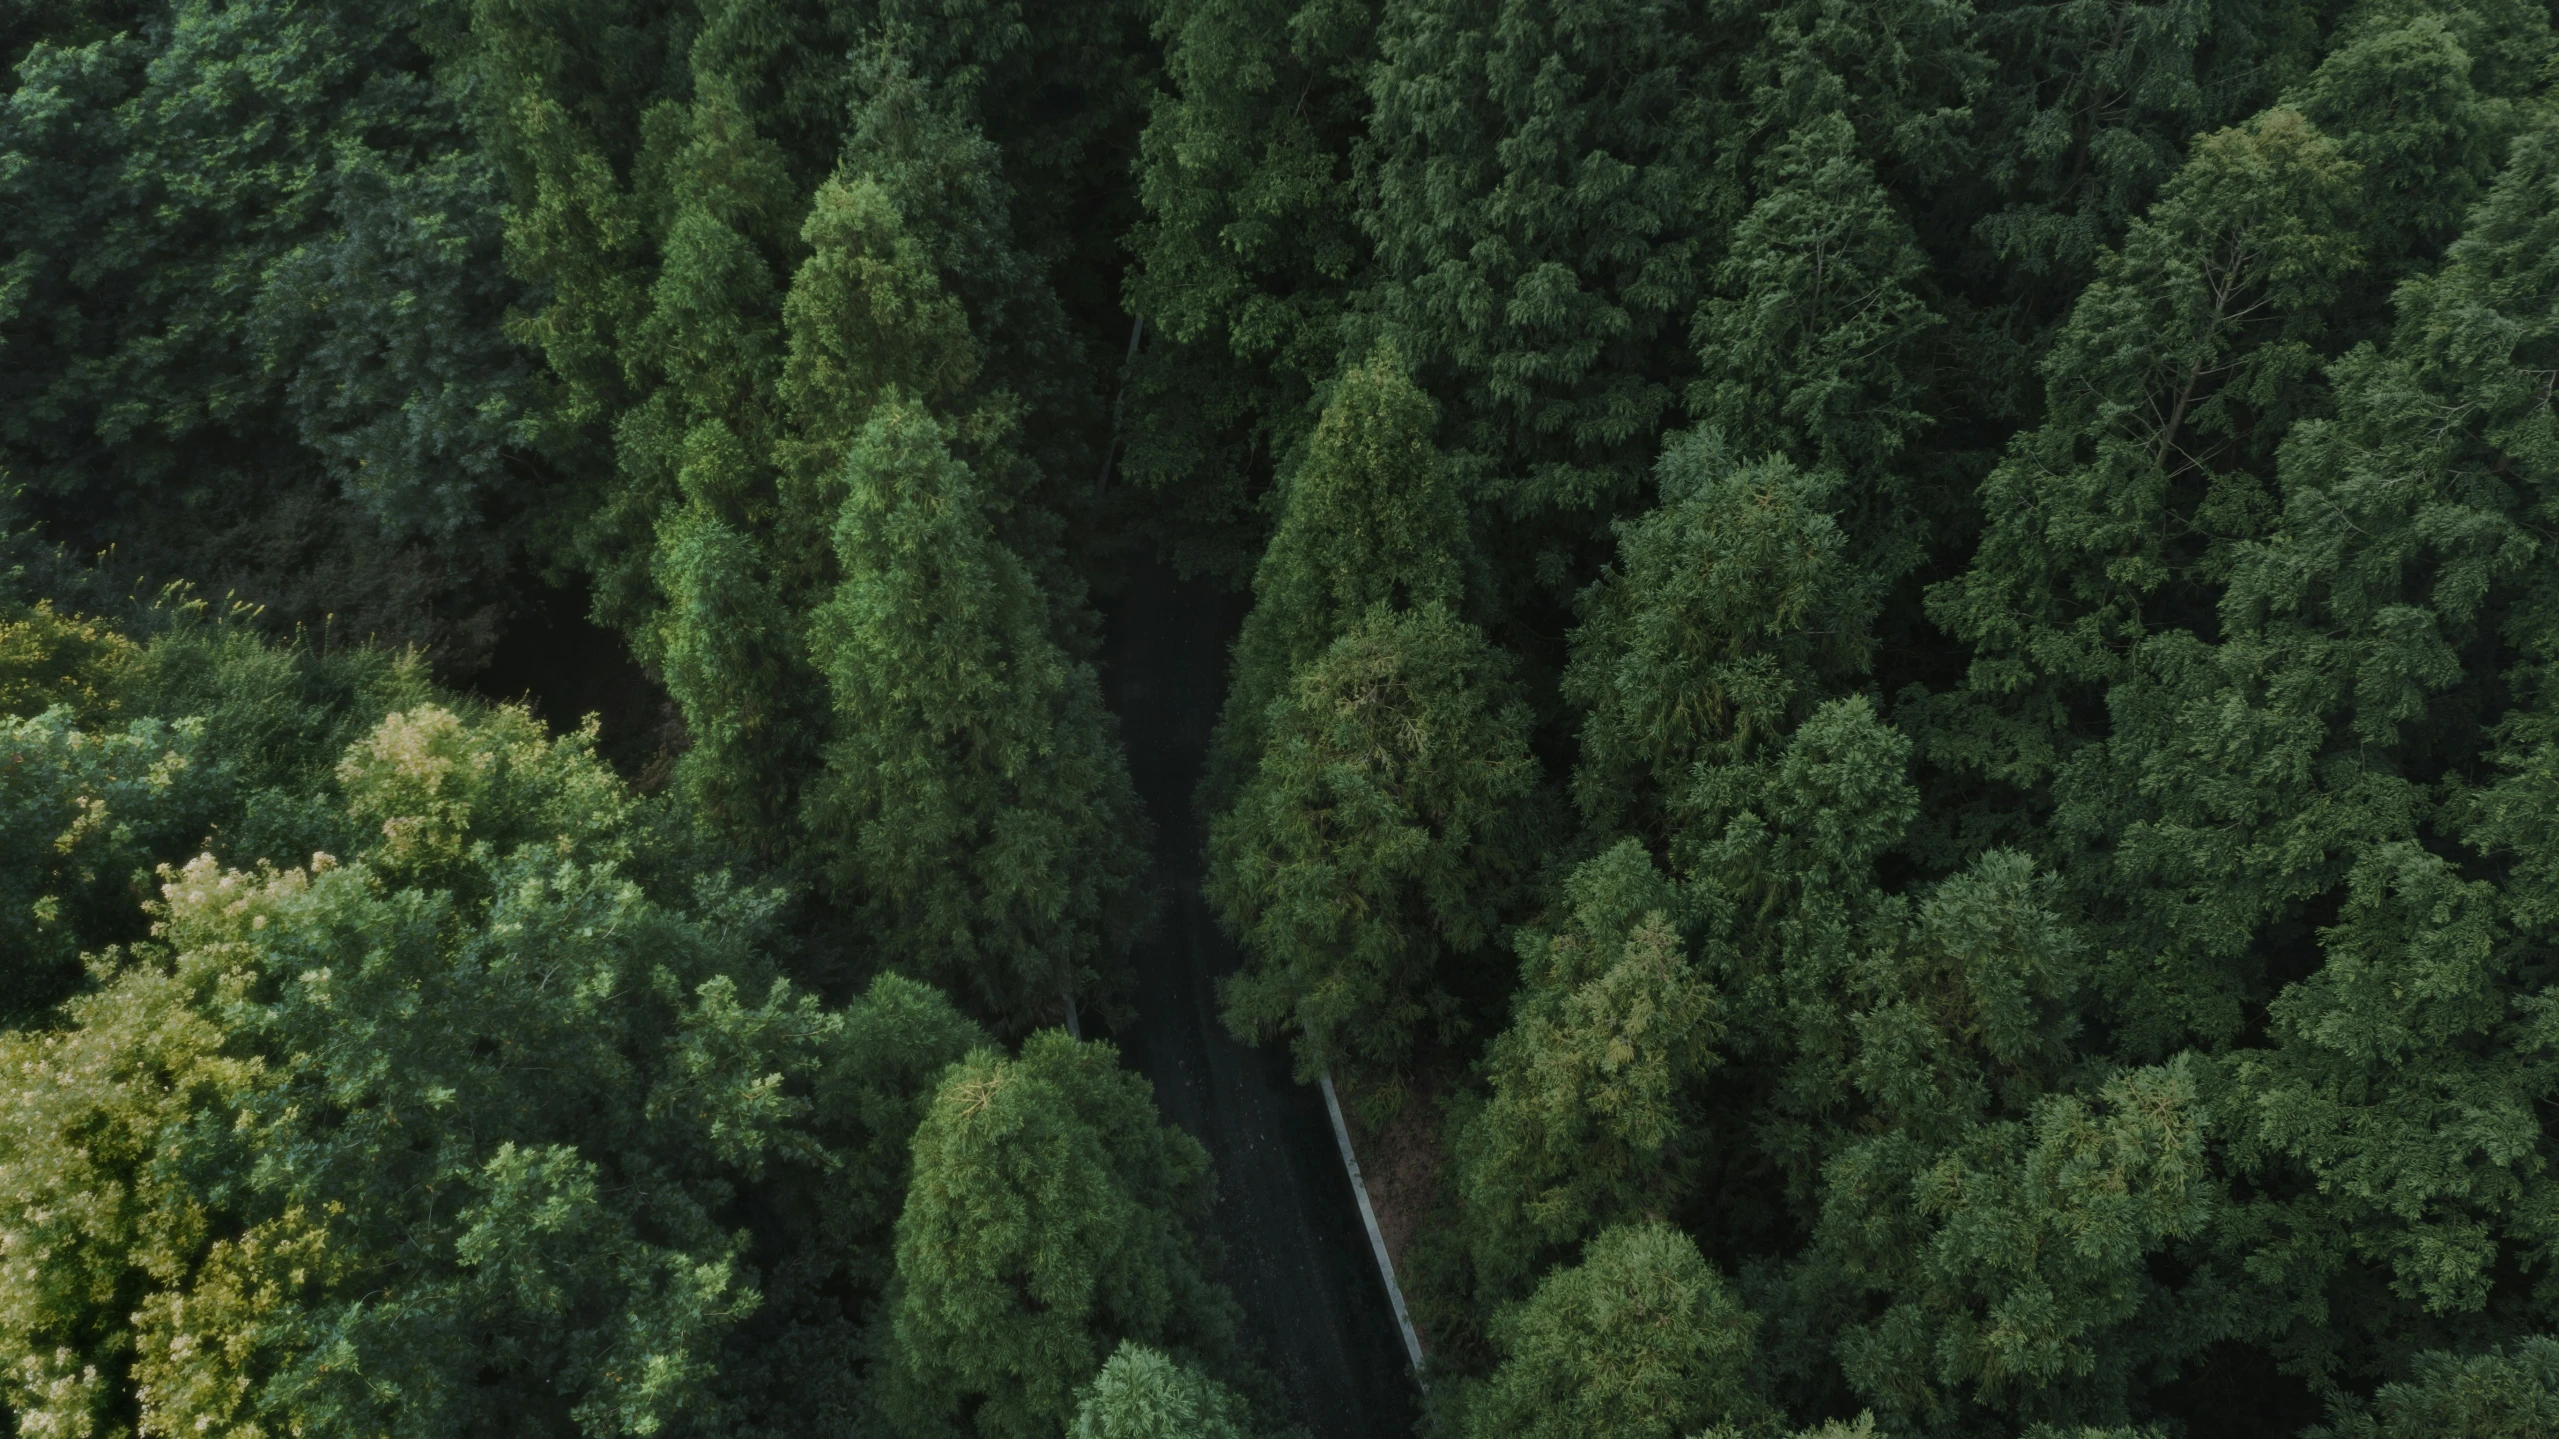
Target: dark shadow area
1315,1309
2235,1392
565,667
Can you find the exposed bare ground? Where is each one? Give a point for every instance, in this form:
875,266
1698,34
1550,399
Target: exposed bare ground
1298,1261
1401,1163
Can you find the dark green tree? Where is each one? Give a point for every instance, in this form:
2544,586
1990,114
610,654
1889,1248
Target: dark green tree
697,455
975,802
1544,196
1733,610
2088,112
884,689
2001,1213
1245,260
2424,100
2179,365
2512,1392
250,308
2387,639
1813,345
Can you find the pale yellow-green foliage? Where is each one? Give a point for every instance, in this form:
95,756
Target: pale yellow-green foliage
103,1211
434,785
48,658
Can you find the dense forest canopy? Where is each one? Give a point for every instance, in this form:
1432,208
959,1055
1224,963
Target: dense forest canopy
1900,706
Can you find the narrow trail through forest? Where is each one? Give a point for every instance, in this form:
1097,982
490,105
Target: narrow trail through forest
1296,1257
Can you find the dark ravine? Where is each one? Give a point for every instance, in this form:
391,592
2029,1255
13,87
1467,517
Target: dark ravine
1315,1309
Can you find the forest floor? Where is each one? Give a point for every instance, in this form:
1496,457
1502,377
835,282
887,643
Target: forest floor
1400,1161
1315,1310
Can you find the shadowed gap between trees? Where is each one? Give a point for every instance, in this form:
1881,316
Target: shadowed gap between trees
1315,1310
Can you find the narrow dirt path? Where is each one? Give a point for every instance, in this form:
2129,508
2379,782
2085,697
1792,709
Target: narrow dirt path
1296,1256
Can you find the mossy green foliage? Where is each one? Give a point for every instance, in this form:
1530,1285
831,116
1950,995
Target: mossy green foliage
1373,852
121,756
1046,1228
1641,1339
1144,1394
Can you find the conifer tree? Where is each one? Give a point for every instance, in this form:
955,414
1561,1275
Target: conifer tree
975,803
1594,1085
1998,1212
1143,1394
2512,1391
1544,199
1734,609
2065,866
699,449
1368,517
1370,860
1781,854
2087,114
794,600
1048,1223
1810,347
2424,101
867,313
1641,1340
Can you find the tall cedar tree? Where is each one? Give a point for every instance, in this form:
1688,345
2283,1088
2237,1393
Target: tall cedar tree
1368,518
975,803
1369,862
1049,1222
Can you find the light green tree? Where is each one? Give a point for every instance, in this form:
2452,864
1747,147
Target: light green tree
484,1107
1376,848
1641,1340
1594,1085
1049,1220
1143,1394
